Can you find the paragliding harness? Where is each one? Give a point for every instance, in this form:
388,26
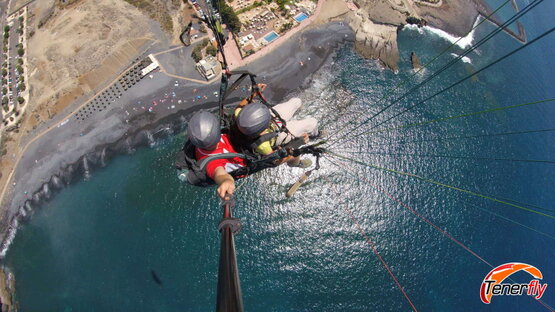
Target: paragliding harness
194,171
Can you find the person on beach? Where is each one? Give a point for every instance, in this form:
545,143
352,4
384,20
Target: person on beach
258,130
205,134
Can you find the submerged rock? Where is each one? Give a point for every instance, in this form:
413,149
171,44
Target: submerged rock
415,61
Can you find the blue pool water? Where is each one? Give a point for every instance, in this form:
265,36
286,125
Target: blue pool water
271,37
300,17
93,245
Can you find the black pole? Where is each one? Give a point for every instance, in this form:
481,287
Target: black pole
229,297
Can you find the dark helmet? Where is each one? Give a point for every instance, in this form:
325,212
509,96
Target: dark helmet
204,130
253,119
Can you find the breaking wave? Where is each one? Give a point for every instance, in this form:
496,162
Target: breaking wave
465,59
463,42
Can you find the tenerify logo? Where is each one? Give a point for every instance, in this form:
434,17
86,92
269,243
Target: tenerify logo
493,282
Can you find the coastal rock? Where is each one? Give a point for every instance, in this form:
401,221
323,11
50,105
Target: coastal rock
375,41
7,290
416,21
415,61
376,23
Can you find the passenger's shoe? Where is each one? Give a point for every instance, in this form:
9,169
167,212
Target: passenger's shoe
321,134
304,163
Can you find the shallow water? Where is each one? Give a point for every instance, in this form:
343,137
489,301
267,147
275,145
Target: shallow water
93,246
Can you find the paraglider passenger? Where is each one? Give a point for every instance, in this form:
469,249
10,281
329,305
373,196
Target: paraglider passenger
261,132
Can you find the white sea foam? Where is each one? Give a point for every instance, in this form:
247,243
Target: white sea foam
9,238
465,59
463,42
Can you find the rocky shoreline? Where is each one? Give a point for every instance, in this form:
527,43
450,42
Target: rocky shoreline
7,291
376,23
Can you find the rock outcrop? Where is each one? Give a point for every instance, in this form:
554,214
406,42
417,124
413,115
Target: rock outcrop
376,23
7,290
375,41
415,61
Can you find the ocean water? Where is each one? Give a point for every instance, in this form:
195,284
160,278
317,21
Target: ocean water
93,246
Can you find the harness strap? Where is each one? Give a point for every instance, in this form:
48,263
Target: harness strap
263,138
237,82
295,143
205,161
223,88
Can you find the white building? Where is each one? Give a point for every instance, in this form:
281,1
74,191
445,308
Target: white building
208,67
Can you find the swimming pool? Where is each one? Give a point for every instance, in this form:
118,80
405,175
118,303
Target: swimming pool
271,36
300,17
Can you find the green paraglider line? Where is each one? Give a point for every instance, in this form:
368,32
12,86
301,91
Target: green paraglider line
456,157
445,233
492,110
439,183
466,137
512,221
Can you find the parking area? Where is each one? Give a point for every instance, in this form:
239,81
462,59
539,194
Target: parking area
13,68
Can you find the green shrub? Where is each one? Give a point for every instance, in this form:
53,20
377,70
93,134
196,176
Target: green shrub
20,51
197,53
286,27
250,7
20,100
229,17
211,50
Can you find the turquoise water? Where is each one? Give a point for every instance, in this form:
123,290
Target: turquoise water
93,246
300,17
271,37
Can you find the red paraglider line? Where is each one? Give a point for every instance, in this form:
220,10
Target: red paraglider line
425,220
376,252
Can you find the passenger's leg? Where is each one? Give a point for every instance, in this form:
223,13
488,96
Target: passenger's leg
297,128
287,110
